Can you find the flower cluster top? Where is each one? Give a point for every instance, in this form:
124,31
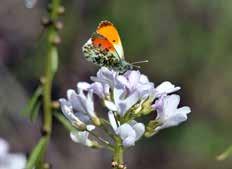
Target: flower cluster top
126,98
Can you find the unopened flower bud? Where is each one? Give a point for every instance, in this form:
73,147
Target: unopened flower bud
47,166
56,40
96,121
42,80
46,21
59,25
114,164
79,125
55,104
121,166
146,107
61,10
150,128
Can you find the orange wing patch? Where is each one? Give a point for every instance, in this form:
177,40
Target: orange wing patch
108,30
102,43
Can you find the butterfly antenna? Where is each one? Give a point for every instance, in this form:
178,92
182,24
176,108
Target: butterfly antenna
136,66
143,61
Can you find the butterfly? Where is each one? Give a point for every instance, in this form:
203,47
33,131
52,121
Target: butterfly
104,48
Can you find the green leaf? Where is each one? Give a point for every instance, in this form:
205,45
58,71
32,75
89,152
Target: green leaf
35,112
37,153
54,60
225,154
32,104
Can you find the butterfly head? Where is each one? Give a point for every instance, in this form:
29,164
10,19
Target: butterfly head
124,66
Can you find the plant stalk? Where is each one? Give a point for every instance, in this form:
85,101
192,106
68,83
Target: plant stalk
118,152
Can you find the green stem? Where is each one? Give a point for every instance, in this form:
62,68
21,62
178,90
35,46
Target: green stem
40,148
101,140
47,95
118,152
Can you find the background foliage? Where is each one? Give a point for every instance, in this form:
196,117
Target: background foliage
185,41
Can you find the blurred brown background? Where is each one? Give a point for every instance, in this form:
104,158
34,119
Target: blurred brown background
188,42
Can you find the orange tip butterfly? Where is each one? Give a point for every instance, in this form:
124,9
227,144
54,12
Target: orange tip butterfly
104,48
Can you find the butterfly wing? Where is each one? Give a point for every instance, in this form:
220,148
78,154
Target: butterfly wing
104,48
101,51
108,30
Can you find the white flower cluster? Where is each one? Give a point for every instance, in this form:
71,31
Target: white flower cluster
30,3
127,97
10,160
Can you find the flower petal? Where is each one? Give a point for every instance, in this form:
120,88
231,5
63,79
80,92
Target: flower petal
125,131
110,105
67,110
112,120
127,103
170,103
75,101
83,86
134,78
4,147
14,161
166,88
79,137
121,82
139,130
129,141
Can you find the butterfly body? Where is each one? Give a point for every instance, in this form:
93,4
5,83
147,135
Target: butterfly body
104,48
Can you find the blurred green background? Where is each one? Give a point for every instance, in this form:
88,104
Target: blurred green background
188,42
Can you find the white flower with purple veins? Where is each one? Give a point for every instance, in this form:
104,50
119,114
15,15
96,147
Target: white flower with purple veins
79,107
168,113
122,103
165,88
10,160
127,89
82,137
134,81
126,96
30,3
105,76
128,132
100,89
74,118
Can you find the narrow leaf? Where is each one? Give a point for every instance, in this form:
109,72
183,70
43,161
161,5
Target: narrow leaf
225,154
32,102
37,153
35,112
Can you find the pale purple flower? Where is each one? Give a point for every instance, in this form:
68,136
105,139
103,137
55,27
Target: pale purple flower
10,160
135,81
121,103
82,102
168,113
165,88
127,95
30,3
79,108
128,132
105,76
74,118
82,137
100,89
